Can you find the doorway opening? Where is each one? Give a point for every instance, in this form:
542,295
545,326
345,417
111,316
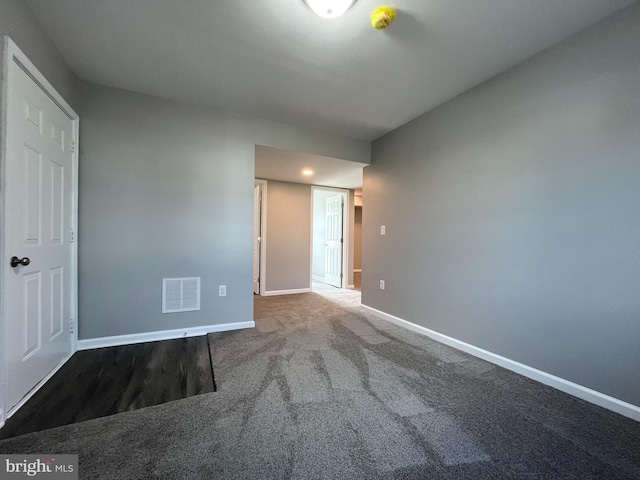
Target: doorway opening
333,239
357,240
259,238
284,250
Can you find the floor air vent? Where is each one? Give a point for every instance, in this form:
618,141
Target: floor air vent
180,294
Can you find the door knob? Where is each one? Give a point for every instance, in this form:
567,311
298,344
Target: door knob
15,261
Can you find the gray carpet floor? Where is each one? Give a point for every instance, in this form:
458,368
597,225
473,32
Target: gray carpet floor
321,389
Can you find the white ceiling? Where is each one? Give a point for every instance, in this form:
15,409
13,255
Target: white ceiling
275,59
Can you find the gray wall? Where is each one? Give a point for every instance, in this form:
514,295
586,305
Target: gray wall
288,236
17,21
524,233
166,190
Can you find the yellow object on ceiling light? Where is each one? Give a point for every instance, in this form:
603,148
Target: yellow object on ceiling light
382,17
329,8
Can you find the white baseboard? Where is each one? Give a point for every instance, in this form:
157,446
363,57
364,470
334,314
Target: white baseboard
318,278
286,292
117,340
592,396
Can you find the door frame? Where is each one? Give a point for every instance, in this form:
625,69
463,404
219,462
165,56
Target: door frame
13,57
263,234
347,229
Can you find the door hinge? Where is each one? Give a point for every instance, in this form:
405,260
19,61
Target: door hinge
71,325
73,236
73,147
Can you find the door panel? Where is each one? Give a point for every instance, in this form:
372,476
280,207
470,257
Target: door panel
56,325
57,202
38,216
333,241
31,319
32,197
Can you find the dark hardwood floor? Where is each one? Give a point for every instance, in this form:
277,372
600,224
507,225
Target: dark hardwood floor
101,382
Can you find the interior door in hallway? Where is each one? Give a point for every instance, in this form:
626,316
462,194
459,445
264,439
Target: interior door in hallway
334,240
39,203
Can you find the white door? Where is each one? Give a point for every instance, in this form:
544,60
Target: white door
334,240
38,220
257,215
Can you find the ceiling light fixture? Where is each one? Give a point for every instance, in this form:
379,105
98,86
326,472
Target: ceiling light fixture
329,8
307,171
